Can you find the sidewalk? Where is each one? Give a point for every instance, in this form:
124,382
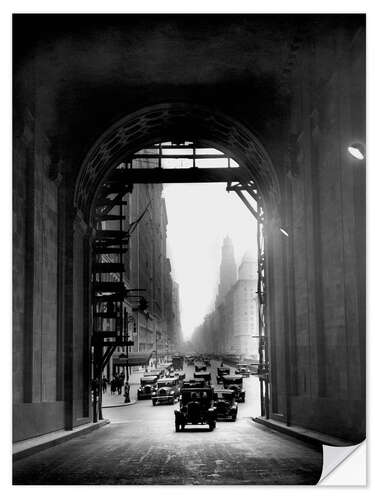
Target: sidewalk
112,400
28,447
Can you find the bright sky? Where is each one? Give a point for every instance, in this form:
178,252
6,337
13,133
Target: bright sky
199,218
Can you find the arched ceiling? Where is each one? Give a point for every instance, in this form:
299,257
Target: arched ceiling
177,122
88,71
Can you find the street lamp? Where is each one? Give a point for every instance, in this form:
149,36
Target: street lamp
357,150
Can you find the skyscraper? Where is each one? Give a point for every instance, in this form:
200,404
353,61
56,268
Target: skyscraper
228,270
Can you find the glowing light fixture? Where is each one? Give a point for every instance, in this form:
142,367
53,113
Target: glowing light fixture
357,150
284,232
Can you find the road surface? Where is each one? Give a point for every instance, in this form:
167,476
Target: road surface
140,446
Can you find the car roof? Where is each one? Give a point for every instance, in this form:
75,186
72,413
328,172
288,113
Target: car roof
223,391
149,377
196,389
167,379
232,377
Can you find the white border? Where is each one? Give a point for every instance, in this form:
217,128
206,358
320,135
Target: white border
140,6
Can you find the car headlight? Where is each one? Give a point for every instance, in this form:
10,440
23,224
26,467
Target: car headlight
172,392
154,393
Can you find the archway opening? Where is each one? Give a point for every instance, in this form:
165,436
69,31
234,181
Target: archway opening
107,179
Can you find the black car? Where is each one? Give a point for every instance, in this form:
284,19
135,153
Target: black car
234,383
166,391
243,370
200,366
207,361
156,372
226,405
221,371
147,386
196,408
181,375
203,375
196,382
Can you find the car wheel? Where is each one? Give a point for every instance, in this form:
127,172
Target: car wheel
177,426
234,417
212,426
153,402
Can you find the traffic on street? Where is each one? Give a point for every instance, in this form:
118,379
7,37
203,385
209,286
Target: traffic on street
192,432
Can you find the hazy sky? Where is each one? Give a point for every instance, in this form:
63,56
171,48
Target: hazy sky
199,218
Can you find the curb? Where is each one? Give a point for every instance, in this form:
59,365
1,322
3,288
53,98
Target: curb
32,449
311,437
118,405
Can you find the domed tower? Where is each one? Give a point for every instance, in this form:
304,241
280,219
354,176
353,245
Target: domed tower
228,270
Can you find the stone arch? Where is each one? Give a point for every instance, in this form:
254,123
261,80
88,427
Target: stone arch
174,121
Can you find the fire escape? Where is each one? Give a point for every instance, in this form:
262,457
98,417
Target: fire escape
109,288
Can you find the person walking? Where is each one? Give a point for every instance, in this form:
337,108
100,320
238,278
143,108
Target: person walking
126,392
104,384
113,386
120,382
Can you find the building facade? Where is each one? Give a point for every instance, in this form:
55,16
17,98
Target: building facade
232,327
148,274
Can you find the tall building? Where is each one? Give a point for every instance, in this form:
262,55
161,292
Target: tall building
233,326
148,273
242,301
228,270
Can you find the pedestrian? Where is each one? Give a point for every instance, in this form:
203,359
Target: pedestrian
120,383
113,386
104,384
127,392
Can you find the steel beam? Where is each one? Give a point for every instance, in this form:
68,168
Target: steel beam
178,175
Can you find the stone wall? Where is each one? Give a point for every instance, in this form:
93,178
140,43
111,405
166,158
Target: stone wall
35,333
323,385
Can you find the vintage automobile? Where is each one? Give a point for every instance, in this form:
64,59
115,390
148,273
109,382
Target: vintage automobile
190,360
234,383
178,362
148,383
196,408
181,375
166,391
165,368
203,375
206,361
199,366
221,371
226,405
243,370
156,372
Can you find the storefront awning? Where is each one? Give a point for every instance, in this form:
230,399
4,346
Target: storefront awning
135,359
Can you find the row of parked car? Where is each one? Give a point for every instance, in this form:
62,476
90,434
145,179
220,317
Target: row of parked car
161,385
201,404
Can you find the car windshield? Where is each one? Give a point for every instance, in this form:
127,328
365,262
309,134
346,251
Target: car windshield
168,383
224,396
147,381
199,396
233,381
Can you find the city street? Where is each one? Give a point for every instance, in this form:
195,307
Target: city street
140,446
